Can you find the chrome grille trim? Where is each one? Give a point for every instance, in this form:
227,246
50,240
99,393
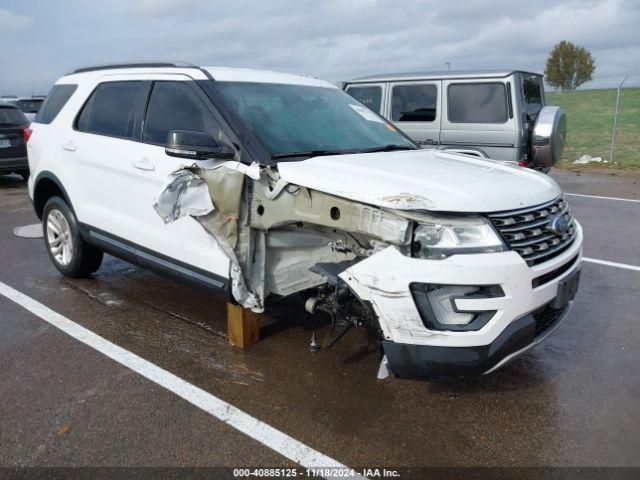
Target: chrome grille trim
527,231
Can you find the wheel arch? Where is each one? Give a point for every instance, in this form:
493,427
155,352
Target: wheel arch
48,185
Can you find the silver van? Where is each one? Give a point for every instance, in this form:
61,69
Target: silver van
499,114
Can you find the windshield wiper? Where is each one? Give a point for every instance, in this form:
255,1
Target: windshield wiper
387,148
310,153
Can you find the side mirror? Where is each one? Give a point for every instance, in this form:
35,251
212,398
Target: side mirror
194,145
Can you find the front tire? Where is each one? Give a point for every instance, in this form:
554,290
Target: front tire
71,255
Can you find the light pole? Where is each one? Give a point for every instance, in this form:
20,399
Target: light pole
448,64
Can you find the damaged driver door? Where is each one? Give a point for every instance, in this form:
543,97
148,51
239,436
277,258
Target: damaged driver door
174,104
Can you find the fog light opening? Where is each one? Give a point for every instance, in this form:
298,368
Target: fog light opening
443,307
437,305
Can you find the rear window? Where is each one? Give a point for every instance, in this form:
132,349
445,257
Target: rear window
11,116
112,109
369,96
532,92
414,103
57,98
477,103
29,106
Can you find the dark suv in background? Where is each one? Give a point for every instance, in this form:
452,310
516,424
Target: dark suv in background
14,134
29,105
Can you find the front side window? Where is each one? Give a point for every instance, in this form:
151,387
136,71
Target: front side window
113,109
304,118
176,106
477,103
414,103
369,96
57,98
532,93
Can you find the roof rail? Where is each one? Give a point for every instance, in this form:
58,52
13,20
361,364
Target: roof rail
134,65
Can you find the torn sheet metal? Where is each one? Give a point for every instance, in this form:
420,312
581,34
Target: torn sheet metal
213,197
225,187
281,204
252,171
183,194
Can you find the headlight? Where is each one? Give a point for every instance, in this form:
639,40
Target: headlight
441,236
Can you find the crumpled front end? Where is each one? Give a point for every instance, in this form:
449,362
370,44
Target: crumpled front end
507,306
352,261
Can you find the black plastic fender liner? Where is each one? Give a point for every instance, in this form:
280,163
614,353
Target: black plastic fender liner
38,203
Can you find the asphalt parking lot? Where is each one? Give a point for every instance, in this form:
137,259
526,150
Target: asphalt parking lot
572,401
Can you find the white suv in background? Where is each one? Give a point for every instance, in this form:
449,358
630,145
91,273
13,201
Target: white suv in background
264,186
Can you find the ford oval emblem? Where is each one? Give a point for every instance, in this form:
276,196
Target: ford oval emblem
559,224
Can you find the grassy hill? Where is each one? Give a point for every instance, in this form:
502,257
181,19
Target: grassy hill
590,123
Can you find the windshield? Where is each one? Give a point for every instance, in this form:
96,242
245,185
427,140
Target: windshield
301,120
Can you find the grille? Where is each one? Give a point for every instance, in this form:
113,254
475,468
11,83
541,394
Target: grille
528,230
545,317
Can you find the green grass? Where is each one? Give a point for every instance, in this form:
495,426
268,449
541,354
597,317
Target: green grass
590,123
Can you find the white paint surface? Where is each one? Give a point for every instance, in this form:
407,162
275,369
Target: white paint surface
270,437
423,180
398,315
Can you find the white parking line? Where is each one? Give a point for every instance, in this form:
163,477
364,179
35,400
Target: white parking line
612,264
604,198
270,437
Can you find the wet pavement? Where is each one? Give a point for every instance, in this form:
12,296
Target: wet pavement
572,401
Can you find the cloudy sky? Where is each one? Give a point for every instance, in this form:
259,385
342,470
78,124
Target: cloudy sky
41,40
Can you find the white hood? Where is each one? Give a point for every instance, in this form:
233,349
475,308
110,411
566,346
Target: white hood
423,180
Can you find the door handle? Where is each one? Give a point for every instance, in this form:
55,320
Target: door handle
70,146
144,164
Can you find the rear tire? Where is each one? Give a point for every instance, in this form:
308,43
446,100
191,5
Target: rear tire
70,254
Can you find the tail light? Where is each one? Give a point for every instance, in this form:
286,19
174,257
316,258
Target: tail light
26,133
523,161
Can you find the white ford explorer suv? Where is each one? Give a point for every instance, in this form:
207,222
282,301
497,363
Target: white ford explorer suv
264,186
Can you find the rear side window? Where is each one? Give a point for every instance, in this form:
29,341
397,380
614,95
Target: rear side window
10,116
113,109
369,96
57,98
477,103
414,103
176,106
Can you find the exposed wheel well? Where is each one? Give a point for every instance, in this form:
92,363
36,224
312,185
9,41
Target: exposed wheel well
44,189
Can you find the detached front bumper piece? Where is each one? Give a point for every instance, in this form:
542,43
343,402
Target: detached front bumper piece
410,360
